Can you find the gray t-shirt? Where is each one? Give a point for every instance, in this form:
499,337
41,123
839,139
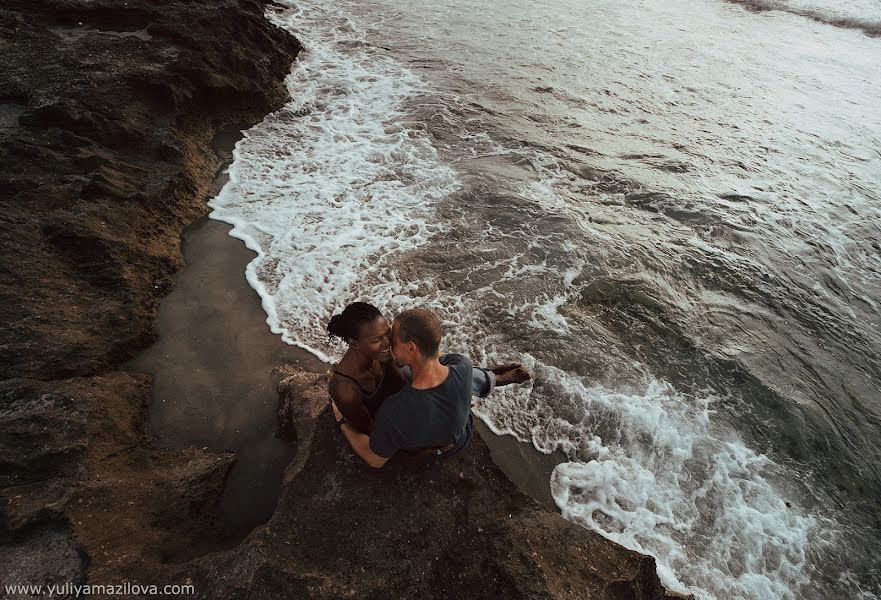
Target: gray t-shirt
415,419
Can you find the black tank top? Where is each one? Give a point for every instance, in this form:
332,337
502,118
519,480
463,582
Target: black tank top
387,386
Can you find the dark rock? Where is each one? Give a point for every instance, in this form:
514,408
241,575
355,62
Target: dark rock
47,555
451,529
107,124
44,435
82,457
105,159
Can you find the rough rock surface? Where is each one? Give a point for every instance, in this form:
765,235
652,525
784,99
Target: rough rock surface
451,529
107,110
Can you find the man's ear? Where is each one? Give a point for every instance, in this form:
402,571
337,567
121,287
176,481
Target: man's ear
353,343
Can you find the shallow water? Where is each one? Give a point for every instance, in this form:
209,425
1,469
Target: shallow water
668,209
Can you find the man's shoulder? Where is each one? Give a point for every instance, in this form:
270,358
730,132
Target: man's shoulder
455,360
460,367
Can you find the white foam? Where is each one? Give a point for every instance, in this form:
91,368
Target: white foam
330,186
653,475
329,190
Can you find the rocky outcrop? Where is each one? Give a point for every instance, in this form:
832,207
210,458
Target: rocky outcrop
107,111
109,108
76,463
451,529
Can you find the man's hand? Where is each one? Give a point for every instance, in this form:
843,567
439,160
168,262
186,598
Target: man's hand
337,415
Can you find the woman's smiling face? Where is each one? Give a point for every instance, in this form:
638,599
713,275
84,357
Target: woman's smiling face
374,340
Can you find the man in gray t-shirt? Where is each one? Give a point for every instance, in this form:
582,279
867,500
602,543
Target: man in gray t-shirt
433,411
413,419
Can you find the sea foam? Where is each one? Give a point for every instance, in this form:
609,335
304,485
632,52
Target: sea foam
337,186
325,189
660,480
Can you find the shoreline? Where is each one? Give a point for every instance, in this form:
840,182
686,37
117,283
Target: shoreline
508,479
213,366
215,371
86,494
212,295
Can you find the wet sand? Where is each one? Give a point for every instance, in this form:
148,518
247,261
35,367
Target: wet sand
526,467
212,369
212,366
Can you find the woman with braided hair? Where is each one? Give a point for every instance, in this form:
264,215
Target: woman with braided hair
367,375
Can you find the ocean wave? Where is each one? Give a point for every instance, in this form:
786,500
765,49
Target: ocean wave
871,28
329,187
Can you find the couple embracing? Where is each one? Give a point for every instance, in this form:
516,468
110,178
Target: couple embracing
393,393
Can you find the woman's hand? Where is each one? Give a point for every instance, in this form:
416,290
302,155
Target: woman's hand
337,415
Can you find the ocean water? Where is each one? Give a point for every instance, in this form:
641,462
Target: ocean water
668,209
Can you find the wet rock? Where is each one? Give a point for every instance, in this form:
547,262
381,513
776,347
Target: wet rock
47,555
107,110
44,435
452,529
106,157
82,459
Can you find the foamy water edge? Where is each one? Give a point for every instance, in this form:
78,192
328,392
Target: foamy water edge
320,244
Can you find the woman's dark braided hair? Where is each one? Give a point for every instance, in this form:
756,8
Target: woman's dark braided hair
347,324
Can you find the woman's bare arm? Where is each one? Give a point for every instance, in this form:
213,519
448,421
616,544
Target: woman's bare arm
347,398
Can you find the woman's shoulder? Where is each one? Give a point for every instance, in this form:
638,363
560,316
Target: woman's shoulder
341,388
